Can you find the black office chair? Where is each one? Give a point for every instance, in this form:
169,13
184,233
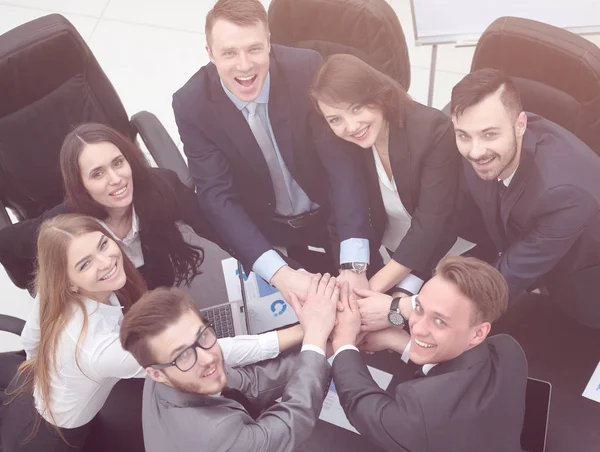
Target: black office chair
118,425
369,30
556,72
50,83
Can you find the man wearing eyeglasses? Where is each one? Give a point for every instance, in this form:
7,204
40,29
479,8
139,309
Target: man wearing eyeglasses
196,399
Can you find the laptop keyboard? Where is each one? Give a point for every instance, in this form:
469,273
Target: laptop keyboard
222,319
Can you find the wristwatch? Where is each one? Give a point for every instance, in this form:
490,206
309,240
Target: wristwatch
356,267
395,317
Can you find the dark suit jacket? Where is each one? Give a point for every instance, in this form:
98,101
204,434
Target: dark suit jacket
473,403
231,175
18,242
550,213
426,164
181,422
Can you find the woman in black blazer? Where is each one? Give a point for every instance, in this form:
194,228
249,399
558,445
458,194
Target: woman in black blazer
410,160
106,176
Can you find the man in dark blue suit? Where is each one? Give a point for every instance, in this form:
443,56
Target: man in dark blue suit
268,171
536,187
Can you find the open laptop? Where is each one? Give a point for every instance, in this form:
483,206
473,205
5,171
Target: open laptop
228,319
537,410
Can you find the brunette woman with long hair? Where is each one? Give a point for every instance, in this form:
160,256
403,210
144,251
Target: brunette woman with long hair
106,176
410,161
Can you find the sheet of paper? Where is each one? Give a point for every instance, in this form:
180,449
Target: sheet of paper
333,412
592,390
266,307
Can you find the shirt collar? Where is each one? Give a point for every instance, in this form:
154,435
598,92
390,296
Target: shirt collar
427,368
263,96
113,301
135,221
506,181
135,228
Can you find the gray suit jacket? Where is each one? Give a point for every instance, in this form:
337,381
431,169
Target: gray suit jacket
473,403
176,421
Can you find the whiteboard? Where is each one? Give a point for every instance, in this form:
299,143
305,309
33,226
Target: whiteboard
447,21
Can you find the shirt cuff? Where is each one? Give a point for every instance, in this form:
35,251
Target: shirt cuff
269,345
313,348
344,347
354,250
405,354
267,265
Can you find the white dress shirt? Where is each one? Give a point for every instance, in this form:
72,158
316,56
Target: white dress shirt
131,243
398,218
78,390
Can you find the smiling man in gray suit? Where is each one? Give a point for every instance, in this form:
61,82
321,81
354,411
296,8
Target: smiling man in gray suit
196,399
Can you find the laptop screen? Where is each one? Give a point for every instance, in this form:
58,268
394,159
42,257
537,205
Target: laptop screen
537,408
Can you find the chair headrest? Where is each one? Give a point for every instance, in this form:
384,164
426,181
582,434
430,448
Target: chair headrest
370,30
50,83
555,70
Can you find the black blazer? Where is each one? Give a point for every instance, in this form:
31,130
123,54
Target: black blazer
473,403
18,242
426,164
229,170
550,214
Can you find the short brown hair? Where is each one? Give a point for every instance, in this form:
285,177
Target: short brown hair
480,282
155,311
243,13
478,85
347,79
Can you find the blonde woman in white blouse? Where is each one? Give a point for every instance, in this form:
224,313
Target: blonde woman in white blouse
74,357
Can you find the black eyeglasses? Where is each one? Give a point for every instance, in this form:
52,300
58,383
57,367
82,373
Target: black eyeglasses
187,358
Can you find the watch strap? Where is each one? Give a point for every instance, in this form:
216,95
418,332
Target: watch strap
395,305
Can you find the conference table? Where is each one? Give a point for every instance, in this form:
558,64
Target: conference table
558,351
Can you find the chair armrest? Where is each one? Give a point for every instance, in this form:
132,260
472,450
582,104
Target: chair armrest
11,324
4,218
161,145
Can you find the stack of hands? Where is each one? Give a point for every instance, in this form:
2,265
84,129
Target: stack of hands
330,312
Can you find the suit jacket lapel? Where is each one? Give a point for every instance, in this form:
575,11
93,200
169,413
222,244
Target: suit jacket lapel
519,181
400,162
467,359
240,134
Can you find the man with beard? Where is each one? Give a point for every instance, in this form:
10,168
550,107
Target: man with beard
535,185
198,397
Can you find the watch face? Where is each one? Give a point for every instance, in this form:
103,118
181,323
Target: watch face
396,318
359,267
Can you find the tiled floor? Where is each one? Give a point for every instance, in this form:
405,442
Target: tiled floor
149,48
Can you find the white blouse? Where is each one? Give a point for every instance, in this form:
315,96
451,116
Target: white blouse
131,243
398,218
398,223
78,390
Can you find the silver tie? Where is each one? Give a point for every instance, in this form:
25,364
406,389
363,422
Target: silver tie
283,203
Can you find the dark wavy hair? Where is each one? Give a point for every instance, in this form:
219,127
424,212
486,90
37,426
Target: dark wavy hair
153,198
346,79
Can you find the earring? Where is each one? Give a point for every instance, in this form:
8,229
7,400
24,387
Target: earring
74,289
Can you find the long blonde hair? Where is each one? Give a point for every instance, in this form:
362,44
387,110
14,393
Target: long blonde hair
58,303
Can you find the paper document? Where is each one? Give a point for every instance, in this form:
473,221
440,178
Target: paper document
332,411
592,390
266,307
